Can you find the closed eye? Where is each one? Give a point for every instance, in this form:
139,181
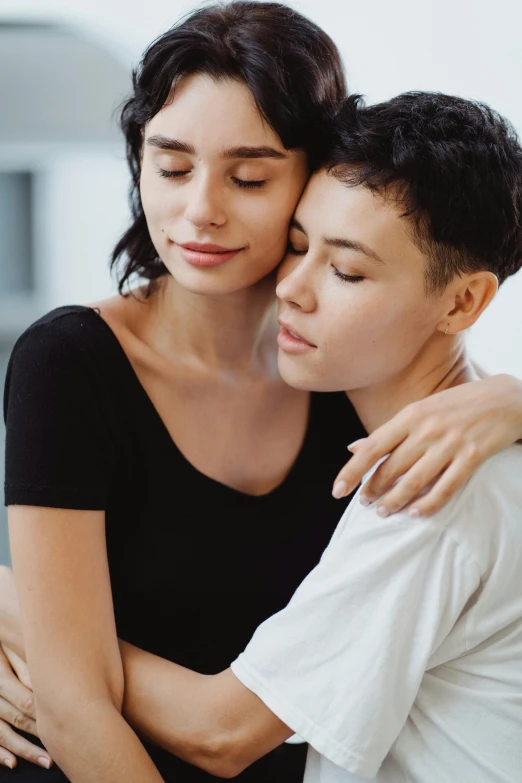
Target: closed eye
241,183
172,174
249,183
347,278
291,250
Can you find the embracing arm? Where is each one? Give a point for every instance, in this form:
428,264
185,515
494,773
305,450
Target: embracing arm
63,586
211,721
435,445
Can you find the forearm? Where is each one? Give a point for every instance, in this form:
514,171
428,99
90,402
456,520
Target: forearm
213,722
94,743
10,629
171,706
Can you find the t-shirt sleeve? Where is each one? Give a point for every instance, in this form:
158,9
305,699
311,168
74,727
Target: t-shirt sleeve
341,665
60,450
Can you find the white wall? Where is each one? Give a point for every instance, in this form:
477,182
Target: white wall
468,47
77,233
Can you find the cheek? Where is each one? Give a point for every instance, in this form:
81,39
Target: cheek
150,194
366,335
268,223
275,210
161,198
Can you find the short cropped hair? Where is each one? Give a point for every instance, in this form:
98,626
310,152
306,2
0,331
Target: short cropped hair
453,165
291,67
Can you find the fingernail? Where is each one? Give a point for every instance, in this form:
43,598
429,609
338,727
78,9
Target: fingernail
44,762
353,446
339,489
9,763
414,512
364,500
383,511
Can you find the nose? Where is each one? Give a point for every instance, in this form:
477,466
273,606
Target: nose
295,286
204,206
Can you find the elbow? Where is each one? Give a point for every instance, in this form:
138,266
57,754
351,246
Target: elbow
219,756
222,765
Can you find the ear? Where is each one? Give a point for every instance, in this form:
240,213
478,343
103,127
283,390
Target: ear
469,297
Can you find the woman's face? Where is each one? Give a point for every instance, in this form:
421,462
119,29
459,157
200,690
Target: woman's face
217,186
353,286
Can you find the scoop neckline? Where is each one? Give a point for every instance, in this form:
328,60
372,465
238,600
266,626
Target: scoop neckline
288,478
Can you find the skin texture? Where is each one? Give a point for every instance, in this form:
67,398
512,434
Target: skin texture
214,721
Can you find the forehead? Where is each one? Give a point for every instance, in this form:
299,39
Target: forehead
330,208
212,112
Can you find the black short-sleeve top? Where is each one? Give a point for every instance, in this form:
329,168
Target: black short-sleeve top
195,565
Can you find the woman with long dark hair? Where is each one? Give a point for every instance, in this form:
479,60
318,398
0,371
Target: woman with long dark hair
164,485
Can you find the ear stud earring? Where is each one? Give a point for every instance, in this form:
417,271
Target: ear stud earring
446,329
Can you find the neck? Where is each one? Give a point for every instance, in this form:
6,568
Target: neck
232,332
443,366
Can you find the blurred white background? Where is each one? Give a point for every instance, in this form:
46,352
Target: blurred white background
65,66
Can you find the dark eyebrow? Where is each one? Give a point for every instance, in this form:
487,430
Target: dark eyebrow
172,145
344,244
248,153
253,152
350,244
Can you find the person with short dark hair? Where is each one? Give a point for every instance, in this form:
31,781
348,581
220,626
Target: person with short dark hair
407,664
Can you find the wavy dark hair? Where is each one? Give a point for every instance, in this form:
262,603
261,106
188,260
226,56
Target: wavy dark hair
292,68
454,165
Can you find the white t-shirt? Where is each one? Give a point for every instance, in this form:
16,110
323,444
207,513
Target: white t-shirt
400,655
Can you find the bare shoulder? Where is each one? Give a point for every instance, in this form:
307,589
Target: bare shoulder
120,310
124,313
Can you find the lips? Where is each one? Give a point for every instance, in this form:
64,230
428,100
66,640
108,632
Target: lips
291,341
206,254
200,247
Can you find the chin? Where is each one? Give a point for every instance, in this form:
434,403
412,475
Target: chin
294,372
219,282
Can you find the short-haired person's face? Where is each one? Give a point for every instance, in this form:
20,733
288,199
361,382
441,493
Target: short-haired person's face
214,173
353,286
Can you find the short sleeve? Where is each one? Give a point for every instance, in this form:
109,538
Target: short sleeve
341,665
60,445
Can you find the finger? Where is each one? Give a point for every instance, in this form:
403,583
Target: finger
16,718
368,451
7,759
355,445
415,482
388,436
390,470
351,475
452,479
13,743
19,667
12,690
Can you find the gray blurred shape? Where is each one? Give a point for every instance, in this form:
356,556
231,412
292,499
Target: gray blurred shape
4,540
16,268
57,86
